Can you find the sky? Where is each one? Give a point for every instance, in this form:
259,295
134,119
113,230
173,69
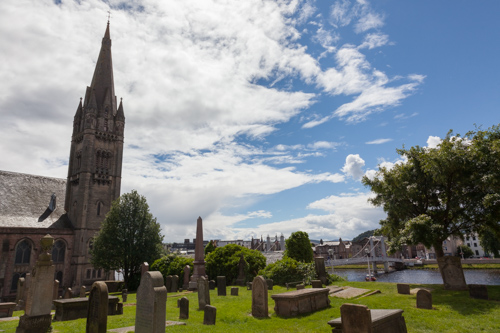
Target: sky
259,116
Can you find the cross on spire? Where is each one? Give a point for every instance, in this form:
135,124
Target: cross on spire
109,15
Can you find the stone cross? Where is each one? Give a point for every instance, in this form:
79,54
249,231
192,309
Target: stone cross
221,286
203,293
259,298
424,299
319,264
97,311
175,284
184,308
187,271
210,315
150,314
403,288
83,289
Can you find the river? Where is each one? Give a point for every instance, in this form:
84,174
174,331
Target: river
476,276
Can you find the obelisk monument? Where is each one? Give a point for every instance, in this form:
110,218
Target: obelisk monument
199,254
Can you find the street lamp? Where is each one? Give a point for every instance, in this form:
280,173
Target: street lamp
369,277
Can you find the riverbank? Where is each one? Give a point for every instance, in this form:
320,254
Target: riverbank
422,266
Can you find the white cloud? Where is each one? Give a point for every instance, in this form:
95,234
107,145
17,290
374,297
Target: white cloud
353,166
433,141
374,40
378,141
369,21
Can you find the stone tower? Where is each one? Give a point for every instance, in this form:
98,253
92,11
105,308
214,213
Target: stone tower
95,163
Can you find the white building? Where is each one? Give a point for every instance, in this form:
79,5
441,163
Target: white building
472,241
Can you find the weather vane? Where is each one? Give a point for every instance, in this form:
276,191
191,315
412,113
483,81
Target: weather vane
109,15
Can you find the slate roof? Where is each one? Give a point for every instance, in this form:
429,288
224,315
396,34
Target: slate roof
23,198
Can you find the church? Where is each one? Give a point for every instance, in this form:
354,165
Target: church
32,206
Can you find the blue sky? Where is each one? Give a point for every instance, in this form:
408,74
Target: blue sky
258,116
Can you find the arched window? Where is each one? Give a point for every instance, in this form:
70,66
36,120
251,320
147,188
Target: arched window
23,253
15,279
58,251
59,276
99,208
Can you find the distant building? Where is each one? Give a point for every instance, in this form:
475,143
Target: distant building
472,241
186,247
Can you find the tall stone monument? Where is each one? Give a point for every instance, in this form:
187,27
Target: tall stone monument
150,314
240,281
37,316
199,253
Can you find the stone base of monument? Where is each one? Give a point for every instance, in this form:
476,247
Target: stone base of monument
358,318
34,324
193,285
297,302
74,308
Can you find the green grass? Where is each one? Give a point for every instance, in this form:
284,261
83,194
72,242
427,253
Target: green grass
454,311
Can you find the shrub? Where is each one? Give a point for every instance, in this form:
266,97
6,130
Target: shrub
223,261
172,265
209,248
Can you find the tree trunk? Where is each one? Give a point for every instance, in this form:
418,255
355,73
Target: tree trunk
451,270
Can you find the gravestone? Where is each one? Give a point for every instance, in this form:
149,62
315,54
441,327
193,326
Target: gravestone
317,284
183,308
452,273
150,312
210,315
38,304
168,283
97,311
234,291
355,318
203,293
187,272
221,286
319,264
270,284
175,283
68,293
20,295
55,294
300,286
424,299
403,288
211,284
27,283
144,268
83,289
249,285
259,298
479,291
240,280
124,295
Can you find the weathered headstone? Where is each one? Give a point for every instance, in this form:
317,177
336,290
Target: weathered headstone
452,273
210,315
317,284
211,284
37,316
97,312
175,284
221,286
300,286
27,283
424,299
403,288
20,295
83,290
203,293
234,291
150,312
187,272
168,283
355,318
270,284
240,280
260,300
144,268
124,295
55,294
319,264
479,291
183,308
68,293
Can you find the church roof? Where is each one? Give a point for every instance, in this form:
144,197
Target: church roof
24,198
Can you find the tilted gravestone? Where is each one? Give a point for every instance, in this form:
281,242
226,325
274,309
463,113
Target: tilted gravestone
403,288
168,283
183,308
452,273
221,286
210,315
83,290
150,312
234,291
424,299
211,284
97,311
260,300
38,304
175,284
187,272
203,293
270,284
317,284
479,291
240,280
319,264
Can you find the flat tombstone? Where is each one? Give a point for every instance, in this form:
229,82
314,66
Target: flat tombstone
424,299
269,284
203,293
97,313
234,291
211,284
210,315
259,298
403,288
83,290
479,291
150,314
317,284
187,271
68,293
183,308
175,284
319,264
355,318
168,283
300,287
221,286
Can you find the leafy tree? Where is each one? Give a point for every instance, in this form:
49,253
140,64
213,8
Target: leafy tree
209,248
465,251
224,260
452,189
490,241
128,237
298,247
363,235
172,265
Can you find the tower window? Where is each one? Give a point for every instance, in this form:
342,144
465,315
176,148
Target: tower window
58,252
23,253
99,208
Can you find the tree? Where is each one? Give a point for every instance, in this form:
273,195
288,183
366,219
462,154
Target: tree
450,190
363,235
172,264
298,247
465,251
490,241
128,237
209,248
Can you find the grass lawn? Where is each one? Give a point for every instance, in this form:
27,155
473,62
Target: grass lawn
454,312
